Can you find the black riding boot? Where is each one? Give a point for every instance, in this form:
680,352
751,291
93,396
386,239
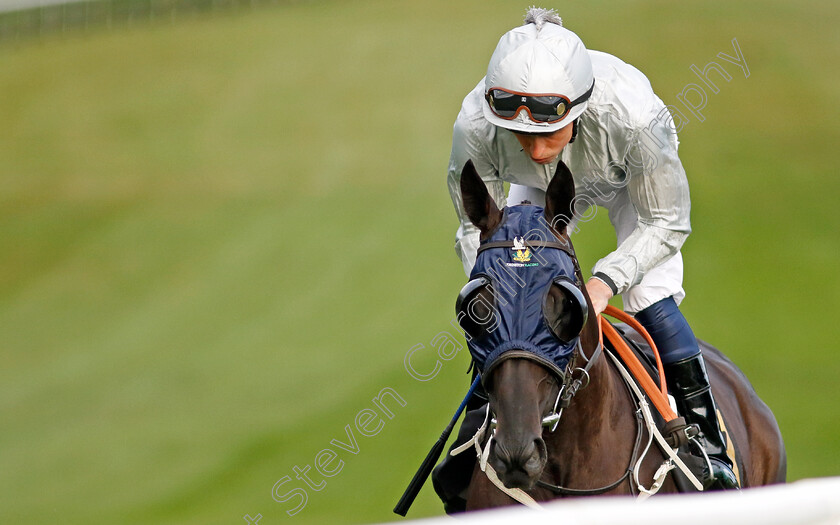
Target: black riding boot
689,385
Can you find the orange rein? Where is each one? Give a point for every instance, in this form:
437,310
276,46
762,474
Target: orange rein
658,395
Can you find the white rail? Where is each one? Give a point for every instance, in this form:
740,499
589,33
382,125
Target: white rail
805,502
19,5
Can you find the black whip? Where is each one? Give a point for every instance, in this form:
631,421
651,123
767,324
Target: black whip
425,469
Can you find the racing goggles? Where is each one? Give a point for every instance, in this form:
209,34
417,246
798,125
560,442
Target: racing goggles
546,108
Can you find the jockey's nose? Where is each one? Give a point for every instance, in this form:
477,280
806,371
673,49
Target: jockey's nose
539,147
542,150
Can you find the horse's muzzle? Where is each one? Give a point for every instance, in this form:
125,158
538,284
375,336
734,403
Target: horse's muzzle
519,465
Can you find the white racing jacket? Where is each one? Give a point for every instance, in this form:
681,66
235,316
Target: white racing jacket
624,159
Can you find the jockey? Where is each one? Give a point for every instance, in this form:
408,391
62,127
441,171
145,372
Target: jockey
545,99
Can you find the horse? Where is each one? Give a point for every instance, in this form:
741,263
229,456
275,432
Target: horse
591,449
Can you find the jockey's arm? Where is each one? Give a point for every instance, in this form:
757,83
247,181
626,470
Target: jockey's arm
658,191
465,146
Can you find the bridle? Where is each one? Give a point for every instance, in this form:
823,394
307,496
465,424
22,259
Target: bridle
569,384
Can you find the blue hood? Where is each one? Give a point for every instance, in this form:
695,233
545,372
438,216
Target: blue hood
521,279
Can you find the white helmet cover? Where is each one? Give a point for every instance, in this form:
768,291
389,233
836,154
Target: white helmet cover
540,57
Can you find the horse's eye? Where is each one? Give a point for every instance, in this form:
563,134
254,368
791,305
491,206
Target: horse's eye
565,309
475,308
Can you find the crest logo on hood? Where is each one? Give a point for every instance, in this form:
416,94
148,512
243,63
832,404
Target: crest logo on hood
523,253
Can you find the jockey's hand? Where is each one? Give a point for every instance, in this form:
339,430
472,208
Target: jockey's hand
599,294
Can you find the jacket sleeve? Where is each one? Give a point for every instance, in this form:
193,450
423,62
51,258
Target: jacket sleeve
468,144
658,190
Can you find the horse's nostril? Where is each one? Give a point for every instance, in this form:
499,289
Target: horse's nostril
530,451
519,466
537,456
524,462
541,448
501,455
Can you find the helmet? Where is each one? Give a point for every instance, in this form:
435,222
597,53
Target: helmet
539,78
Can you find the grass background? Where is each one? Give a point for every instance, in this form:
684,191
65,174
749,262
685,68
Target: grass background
219,238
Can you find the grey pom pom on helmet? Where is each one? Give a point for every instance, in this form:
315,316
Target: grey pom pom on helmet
539,16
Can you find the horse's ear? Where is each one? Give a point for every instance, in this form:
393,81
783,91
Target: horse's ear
559,197
479,205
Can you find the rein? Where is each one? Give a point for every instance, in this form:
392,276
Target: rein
565,491
658,395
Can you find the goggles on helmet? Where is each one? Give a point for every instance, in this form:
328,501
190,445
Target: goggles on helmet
547,108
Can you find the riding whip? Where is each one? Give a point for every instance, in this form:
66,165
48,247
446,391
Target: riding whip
425,469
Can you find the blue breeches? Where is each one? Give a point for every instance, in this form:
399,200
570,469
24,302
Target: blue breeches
669,330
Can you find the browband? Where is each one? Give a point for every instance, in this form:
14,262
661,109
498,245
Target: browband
529,244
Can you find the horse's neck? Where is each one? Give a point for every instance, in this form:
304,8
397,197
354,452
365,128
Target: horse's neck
598,424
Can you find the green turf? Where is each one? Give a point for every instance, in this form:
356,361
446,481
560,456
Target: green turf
218,240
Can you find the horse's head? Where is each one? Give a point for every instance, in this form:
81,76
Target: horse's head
522,311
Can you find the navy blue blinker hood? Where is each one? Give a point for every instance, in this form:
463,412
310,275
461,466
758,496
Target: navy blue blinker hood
523,293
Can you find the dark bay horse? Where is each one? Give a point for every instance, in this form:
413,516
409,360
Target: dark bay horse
596,442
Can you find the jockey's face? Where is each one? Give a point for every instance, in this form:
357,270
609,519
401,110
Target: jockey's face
545,147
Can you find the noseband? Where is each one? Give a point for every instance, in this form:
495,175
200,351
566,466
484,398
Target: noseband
570,383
